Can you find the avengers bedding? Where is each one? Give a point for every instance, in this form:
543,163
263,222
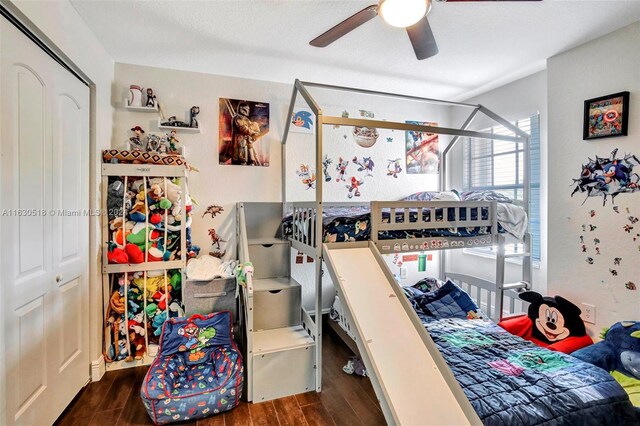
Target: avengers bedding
353,223
510,381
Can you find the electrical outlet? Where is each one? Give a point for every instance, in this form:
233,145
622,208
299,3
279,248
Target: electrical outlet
589,313
403,272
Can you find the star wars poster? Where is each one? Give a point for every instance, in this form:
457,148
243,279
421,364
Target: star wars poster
243,125
422,150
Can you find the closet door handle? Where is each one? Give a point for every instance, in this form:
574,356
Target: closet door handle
58,278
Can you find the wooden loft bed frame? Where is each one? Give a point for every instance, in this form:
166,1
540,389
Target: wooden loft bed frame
307,217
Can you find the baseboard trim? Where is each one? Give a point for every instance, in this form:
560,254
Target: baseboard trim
98,369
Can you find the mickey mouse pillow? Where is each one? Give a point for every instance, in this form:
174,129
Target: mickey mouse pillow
553,318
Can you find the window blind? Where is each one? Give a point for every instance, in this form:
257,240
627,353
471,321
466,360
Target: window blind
498,165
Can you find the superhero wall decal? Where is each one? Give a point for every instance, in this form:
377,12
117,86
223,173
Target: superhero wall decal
608,177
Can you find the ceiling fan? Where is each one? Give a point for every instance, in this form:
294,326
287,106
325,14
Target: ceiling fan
408,14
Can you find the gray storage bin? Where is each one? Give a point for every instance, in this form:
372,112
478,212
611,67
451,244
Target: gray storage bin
270,257
204,297
276,303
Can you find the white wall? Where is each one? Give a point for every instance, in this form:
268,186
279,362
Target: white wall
177,91
60,23
218,184
516,100
604,66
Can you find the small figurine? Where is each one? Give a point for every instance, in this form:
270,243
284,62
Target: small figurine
162,149
153,143
174,122
151,98
135,95
173,142
195,110
135,142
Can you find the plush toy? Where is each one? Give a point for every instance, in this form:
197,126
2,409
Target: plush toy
242,271
553,318
116,254
115,195
136,338
138,212
134,253
618,353
155,193
161,298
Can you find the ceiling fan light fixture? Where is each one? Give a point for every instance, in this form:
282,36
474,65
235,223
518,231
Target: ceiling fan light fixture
403,13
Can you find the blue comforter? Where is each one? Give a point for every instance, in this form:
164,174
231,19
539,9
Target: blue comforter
510,381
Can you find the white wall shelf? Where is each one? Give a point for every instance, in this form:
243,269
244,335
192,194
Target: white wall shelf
140,108
179,129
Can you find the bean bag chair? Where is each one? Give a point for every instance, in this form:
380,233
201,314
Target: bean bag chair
197,372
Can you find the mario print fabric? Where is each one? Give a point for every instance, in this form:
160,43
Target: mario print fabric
198,371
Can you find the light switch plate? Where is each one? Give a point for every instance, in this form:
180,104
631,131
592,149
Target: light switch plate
589,313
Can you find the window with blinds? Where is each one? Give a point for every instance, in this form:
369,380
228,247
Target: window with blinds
497,165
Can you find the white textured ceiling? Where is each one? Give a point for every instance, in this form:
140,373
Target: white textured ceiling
482,45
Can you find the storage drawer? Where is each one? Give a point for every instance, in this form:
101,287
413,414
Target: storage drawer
283,365
270,257
204,297
276,303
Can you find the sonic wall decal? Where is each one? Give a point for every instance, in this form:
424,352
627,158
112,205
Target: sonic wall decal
608,177
302,121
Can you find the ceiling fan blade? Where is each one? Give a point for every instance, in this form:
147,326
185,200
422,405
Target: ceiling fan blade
452,1
422,40
346,26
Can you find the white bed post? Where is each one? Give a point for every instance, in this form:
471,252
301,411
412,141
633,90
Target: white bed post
442,182
499,277
318,245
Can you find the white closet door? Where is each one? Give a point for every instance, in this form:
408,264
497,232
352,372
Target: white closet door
44,113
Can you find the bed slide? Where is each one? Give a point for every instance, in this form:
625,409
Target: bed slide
410,377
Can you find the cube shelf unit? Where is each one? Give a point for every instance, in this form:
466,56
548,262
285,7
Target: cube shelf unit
111,272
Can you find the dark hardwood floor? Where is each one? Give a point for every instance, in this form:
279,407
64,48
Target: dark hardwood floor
344,400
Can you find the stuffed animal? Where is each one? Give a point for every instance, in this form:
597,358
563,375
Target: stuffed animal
553,318
136,337
618,353
115,195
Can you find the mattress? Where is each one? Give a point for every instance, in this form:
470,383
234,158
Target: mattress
342,224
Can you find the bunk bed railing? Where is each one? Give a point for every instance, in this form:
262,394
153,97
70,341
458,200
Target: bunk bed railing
411,215
485,293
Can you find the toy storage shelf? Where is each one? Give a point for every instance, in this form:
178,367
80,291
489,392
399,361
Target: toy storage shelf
114,268
112,272
179,129
119,365
149,170
139,108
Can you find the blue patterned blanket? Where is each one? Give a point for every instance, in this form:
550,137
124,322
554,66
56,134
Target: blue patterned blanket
510,381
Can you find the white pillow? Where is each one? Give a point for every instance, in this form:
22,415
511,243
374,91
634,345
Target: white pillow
203,268
446,196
